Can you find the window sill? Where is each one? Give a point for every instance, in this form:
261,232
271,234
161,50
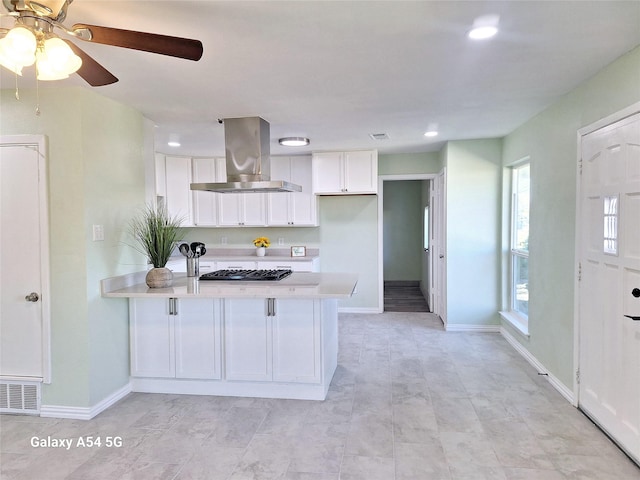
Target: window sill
516,321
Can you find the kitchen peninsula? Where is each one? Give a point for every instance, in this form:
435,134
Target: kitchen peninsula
274,339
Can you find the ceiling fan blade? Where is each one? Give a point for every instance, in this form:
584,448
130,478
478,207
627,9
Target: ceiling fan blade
147,42
91,71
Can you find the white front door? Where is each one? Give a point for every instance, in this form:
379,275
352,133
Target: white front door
23,259
609,281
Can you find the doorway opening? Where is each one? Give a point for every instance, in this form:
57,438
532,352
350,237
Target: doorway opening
405,234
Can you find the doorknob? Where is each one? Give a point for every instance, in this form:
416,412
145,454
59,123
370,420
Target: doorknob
32,297
440,256
635,292
637,319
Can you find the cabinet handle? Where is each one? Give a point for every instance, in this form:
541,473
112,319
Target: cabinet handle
173,306
271,307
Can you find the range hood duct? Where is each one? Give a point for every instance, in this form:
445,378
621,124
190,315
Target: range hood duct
248,161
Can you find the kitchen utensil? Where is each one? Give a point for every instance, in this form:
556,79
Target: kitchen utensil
184,250
194,245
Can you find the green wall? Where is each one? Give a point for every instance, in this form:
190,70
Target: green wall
550,139
95,176
474,183
402,210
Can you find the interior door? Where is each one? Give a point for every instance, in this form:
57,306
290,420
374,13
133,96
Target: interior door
609,286
23,273
439,261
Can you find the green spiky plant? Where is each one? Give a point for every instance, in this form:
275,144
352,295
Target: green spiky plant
156,233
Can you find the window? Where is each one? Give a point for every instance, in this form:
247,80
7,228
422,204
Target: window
519,285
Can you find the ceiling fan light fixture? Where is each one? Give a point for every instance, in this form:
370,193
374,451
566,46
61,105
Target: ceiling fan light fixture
17,49
293,141
56,60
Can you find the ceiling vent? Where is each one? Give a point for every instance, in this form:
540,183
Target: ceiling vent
379,136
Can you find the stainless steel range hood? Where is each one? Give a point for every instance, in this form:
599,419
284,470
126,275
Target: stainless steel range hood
248,160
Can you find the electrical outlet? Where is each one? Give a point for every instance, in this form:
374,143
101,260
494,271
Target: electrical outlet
223,240
280,240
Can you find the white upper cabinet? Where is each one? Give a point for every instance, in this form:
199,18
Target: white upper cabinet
178,198
295,208
242,209
205,204
345,173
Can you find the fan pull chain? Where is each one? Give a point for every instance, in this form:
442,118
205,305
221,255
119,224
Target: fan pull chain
37,97
17,91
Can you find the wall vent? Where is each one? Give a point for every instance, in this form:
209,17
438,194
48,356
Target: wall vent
379,136
20,397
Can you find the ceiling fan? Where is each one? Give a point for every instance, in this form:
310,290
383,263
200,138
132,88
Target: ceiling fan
42,16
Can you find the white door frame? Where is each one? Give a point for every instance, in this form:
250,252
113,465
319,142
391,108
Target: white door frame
613,118
381,180
39,143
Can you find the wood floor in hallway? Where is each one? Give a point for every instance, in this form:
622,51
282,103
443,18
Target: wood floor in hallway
404,296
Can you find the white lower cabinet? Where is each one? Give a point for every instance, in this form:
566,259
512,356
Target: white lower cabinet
173,338
252,347
271,339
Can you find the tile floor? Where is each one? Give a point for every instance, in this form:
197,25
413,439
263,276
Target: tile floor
408,401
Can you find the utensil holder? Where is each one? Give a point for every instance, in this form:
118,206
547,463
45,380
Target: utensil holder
193,267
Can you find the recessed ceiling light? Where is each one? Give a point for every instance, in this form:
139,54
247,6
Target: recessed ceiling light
432,130
484,27
293,141
174,140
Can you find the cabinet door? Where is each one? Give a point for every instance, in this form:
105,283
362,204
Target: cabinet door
327,172
303,209
247,333
152,340
230,209
178,180
297,266
254,209
205,204
296,341
197,338
361,172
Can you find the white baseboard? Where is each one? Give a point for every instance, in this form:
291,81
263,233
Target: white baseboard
462,327
84,413
565,391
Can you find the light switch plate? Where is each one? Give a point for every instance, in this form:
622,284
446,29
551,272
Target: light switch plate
98,233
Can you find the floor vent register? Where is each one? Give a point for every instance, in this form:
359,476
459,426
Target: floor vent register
20,397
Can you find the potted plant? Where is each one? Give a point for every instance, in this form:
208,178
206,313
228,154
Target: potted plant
156,234
261,243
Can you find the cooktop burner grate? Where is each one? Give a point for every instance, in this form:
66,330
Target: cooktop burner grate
252,275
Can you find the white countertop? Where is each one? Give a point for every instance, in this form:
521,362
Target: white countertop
298,284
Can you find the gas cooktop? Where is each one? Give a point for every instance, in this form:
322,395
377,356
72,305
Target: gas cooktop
252,275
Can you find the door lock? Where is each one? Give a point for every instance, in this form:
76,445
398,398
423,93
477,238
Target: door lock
32,297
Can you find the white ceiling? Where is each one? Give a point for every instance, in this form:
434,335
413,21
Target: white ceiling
337,71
